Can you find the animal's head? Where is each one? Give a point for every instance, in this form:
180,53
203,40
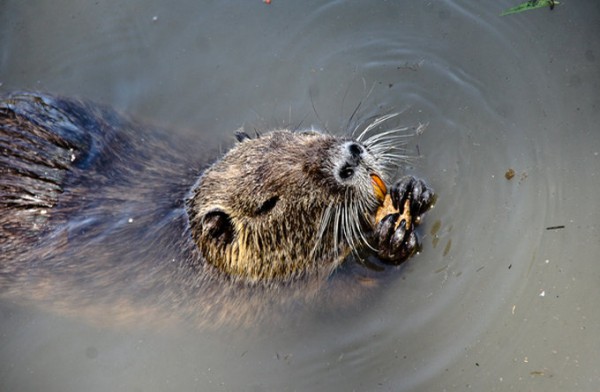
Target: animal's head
288,203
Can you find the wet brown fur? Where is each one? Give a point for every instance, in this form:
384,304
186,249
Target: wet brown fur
94,217
294,178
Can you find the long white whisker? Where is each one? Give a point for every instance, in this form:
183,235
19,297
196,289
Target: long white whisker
394,157
344,218
387,148
353,224
357,224
375,124
348,226
396,141
396,133
336,231
325,221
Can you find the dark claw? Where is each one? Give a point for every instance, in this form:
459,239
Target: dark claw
426,200
412,242
420,195
395,244
397,240
385,227
417,190
400,191
420,205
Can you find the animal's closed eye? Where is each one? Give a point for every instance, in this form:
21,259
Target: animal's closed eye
267,206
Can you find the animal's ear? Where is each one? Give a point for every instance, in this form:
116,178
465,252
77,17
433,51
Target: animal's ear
241,136
217,225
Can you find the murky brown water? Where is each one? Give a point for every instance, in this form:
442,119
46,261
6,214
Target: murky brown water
495,302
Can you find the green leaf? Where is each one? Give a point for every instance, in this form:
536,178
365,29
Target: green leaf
530,5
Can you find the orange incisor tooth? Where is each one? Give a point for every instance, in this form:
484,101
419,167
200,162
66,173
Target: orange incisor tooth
378,187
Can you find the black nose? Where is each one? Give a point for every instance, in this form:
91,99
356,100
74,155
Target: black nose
355,150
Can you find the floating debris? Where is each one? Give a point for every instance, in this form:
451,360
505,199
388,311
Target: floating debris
510,173
555,227
530,5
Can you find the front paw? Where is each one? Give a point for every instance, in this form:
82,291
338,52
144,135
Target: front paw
417,192
394,233
395,242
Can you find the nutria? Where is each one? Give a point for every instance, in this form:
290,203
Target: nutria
103,216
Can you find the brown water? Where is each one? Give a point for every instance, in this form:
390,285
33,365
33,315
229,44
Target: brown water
495,302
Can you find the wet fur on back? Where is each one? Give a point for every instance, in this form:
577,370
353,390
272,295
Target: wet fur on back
91,210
